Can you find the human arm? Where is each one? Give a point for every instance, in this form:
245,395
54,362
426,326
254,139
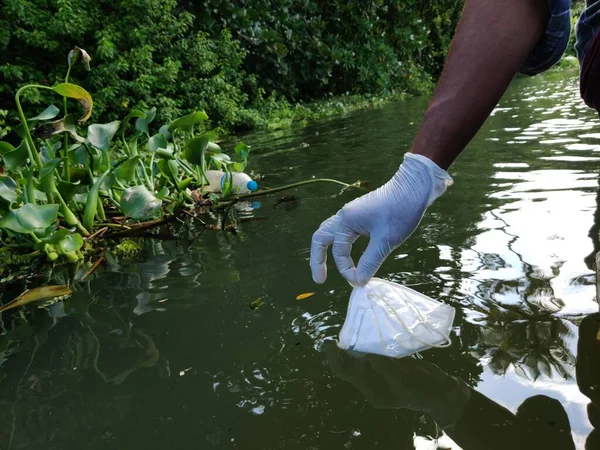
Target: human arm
492,40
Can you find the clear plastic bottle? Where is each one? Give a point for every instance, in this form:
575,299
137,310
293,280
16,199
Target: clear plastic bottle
241,183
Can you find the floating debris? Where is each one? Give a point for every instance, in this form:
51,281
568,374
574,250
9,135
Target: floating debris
41,294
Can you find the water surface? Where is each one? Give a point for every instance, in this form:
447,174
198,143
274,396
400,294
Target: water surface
167,350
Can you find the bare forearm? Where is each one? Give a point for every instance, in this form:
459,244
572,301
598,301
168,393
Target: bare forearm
492,40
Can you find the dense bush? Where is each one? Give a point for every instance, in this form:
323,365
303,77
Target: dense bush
229,57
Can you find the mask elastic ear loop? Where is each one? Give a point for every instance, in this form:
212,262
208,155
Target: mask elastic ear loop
420,317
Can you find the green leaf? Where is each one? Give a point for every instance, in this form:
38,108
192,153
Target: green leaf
15,160
89,213
163,167
221,160
194,151
100,134
67,190
49,167
8,189
186,123
139,203
164,130
29,218
5,147
79,94
134,113
141,124
162,193
157,141
242,151
126,171
71,243
49,113
133,145
47,176
237,167
79,156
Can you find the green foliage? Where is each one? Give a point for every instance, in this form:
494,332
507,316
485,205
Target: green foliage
58,186
237,61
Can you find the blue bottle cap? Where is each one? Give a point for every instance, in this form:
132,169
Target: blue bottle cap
252,185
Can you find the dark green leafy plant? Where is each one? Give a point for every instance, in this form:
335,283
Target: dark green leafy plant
244,63
67,180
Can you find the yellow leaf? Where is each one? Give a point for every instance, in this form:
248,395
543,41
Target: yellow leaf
303,296
38,295
79,94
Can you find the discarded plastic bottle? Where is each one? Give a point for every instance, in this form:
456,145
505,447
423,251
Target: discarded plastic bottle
241,183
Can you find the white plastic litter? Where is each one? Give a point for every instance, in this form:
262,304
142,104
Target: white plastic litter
389,319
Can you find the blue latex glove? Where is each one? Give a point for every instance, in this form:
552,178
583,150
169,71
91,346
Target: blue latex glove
388,216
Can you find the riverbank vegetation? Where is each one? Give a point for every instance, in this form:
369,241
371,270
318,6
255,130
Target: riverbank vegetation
247,65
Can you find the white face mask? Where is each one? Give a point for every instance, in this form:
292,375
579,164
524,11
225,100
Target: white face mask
388,319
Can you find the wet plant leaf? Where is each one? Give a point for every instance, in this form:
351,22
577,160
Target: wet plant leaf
242,151
126,171
38,295
141,124
8,189
79,94
162,193
15,160
5,147
67,189
70,243
194,151
186,123
49,113
100,135
304,296
139,203
157,141
30,218
164,130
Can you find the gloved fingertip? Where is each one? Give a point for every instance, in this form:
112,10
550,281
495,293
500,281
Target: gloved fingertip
319,273
362,278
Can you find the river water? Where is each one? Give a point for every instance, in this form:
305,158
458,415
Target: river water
199,341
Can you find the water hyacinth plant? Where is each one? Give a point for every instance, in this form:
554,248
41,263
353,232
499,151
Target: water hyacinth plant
68,181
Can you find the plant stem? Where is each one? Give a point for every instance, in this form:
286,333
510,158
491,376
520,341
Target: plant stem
66,140
35,238
142,226
151,168
283,188
70,218
33,154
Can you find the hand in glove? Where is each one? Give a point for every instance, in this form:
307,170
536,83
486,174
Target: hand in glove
388,216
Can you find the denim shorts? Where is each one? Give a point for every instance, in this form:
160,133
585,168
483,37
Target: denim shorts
553,44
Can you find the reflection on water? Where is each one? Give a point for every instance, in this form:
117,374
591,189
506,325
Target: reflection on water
170,350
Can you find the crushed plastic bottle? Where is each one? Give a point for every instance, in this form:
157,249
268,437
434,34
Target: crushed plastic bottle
241,183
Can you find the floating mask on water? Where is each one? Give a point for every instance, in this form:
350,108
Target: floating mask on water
388,319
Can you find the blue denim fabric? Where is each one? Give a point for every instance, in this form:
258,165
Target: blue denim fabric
553,44
587,26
